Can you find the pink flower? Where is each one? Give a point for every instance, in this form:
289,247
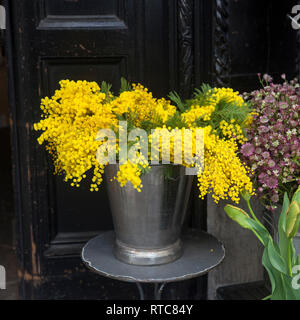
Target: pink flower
267,78
247,149
271,182
275,197
270,99
263,129
266,154
271,163
263,119
275,133
283,105
262,177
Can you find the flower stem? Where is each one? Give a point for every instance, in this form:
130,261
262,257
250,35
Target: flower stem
251,211
289,258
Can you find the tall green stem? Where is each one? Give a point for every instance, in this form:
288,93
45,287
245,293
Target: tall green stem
290,258
251,211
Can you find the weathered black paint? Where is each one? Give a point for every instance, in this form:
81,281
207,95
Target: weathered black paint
165,44
47,43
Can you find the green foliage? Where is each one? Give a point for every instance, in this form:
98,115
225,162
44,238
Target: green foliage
174,96
278,259
246,195
105,87
175,121
293,219
228,110
201,96
244,220
125,85
144,170
224,110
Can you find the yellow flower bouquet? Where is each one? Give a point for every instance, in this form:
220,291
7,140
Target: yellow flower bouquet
151,147
73,116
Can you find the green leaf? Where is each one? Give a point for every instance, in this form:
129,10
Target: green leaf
125,85
293,253
290,292
293,219
205,88
260,230
296,196
236,213
284,241
174,96
243,219
143,170
276,259
201,96
282,218
105,87
275,278
297,262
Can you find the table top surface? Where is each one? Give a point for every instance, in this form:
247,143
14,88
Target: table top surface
201,253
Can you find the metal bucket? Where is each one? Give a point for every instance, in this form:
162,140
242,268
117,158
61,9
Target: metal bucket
148,223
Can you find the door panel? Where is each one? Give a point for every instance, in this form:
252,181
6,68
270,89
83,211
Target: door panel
145,41
84,7
59,14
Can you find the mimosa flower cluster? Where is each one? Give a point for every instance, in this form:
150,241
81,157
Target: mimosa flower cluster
205,103
73,116
273,149
224,174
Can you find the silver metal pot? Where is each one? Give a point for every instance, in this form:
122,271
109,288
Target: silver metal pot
148,223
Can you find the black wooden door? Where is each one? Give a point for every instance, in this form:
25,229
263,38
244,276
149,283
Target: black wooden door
156,42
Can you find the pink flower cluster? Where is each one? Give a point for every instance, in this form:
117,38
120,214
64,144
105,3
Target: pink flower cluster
273,147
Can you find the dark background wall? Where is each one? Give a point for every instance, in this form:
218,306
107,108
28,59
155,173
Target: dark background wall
8,255
254,37
166,44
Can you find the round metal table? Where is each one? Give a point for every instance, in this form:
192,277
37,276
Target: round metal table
202,252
